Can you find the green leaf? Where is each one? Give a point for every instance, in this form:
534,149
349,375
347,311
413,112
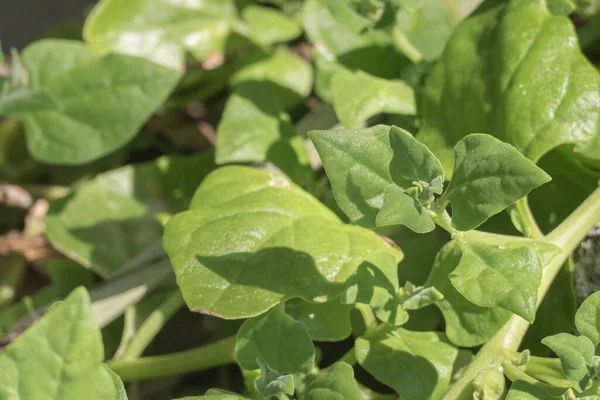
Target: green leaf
255,128
417,365
61,357
101,101
488,177
161,31
521,390
283,244
329,322
335,383
496,62
289,75
575,353
267,26
112,218
345,15
499,276
376,283
427,24
358,96
401,209
277,340
587,318
216,394
467,324
361,164
272,383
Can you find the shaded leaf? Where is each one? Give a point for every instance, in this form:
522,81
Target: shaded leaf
276,340
362,163
109,220
328,321
467,324
254,128
272,383
521,390
506,277
401,209
335,383
417,365
283,244
376,283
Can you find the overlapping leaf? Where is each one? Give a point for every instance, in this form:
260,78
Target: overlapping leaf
107,221
467,324
575,353
362,164
252,239
335,383
496,62
60,357
276,340
328,321
417,365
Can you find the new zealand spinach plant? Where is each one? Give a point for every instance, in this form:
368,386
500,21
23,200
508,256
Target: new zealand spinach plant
356,199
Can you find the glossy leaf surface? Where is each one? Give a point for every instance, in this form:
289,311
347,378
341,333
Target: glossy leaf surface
276,340
496,61
283,244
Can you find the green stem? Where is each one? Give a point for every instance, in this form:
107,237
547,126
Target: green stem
441,217
349,357
405,46
566,236
529,225
212,355
152,325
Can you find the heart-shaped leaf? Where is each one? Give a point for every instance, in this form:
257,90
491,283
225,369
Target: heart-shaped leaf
362,163
489,175
499,276
358,96
336,382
